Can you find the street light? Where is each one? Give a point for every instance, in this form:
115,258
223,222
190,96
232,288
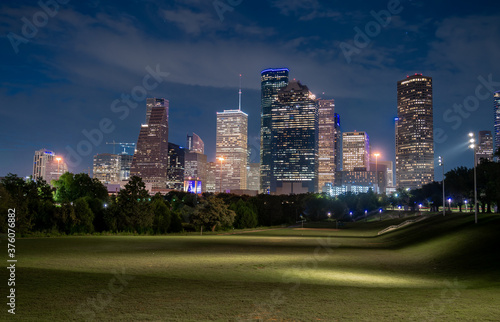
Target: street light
221,159
472,145
449,203
376,168
466,209
441,163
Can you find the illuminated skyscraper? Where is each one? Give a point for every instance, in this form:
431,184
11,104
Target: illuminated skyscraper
355,151
414,132
231,146
496,100
294,140
150,160
195,144
195,168
484,147
271,81
48,166
175,171
253,173
328,142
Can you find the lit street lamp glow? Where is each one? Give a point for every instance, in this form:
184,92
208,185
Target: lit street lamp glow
473,147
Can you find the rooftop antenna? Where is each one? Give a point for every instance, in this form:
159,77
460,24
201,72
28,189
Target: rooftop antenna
239,105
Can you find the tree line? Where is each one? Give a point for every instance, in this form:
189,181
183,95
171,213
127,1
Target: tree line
78,204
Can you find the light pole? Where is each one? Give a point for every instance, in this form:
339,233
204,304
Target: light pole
441,163
473,147
449,203
376,168
221,159
466,209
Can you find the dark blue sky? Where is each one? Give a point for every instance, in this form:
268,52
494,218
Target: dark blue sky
63,77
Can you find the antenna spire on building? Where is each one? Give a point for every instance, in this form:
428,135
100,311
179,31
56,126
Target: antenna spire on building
239,105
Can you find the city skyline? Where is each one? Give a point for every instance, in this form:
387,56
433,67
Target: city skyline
89,63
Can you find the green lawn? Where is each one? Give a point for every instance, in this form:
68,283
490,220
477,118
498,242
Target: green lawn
438,269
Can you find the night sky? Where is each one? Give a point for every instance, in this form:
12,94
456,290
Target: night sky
64,77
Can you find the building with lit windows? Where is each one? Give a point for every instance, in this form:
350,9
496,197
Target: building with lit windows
48,166
294,140
231,148
329,146
106,168
211,176
272,80
253,173
175,171
414,132
195,168
355,151
484,149
195,144
496,105
150,160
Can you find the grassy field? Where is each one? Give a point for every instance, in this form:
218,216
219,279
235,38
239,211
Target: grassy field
442,269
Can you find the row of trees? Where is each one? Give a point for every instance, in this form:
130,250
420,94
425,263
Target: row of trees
80,204
459,187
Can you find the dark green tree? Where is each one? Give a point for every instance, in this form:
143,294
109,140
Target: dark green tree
83,217
246,217
162,215
212,214
133,207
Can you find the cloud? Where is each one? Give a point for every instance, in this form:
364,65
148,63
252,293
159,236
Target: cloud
192,22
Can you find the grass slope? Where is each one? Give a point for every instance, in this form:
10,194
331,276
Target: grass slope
442,268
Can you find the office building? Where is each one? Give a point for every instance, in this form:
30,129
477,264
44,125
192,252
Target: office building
150,160
107,168
211,177
195,144
231,148
195,168
328,142
355,151
125,164
48,166
175,171
414,132
484,149
294,125
272,80
496,107
253,180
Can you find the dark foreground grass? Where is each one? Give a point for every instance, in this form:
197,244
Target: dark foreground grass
438,269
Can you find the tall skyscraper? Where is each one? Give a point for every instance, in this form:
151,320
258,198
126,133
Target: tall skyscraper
484,149
150,160
328,142
294,140
175,171
355,151
272,80
496,100
414,132
195,144
48,166
231,147
125,164
211,177
338,143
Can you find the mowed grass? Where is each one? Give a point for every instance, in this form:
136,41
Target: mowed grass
442,268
